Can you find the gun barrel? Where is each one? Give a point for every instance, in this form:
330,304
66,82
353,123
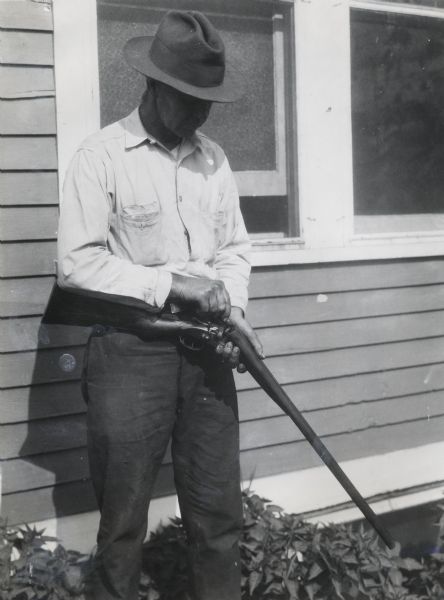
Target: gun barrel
270,385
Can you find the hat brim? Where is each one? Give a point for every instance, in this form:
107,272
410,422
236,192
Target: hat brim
136,53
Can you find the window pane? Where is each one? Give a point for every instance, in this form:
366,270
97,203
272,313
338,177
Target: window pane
246,129
398,121
265,217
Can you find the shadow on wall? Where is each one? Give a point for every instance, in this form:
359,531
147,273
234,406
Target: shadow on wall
53,464
50,480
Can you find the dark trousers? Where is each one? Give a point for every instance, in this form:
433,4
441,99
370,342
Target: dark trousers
140,395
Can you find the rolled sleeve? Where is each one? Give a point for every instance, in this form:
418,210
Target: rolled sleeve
84,260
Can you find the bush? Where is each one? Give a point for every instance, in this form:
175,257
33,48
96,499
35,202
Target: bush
29,571
283,558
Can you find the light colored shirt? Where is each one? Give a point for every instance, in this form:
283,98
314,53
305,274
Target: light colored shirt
133,213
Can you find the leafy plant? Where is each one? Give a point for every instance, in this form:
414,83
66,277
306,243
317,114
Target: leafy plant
286,558
283,558
30,571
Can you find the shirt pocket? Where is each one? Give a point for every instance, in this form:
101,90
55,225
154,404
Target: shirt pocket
141,234
140,217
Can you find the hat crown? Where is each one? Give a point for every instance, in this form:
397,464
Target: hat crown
188,54
188,46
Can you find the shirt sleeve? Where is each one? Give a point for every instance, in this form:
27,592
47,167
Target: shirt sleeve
84,260
232,258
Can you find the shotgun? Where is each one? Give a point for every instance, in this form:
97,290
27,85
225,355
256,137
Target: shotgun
122,313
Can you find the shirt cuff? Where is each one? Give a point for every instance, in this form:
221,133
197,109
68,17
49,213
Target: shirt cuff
163,287
239,301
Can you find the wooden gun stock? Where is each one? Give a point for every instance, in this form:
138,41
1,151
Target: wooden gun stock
122,313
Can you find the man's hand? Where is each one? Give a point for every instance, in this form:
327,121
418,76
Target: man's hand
207,297
231,353
210,299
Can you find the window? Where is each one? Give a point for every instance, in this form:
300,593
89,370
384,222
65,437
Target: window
338,144
398,121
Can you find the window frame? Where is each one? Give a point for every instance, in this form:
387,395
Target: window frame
322,109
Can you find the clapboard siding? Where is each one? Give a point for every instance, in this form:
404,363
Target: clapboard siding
316,308
70,498
284,457
28,116
294,280
290,281
26,82
349,361
50,435
46,366
38,504
59,399
25,223
44,435
40,401
26,368
75,497
69,464
28,188
28,153
26,48
28,259
22,297
28,334
61,467
269,282
25,14
357,417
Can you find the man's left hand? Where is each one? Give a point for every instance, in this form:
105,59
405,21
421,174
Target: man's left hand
231,353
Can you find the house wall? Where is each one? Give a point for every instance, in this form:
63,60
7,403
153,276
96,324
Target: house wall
359,345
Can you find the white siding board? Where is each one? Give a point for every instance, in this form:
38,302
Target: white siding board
28,153
28,116
26,82
28,188
25,14
26,48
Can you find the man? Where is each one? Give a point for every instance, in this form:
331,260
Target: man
151,211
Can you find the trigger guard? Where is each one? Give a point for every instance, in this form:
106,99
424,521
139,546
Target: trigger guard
191,344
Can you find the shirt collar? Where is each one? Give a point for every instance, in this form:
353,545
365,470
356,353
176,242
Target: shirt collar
136,134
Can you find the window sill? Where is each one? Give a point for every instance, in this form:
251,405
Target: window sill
293,251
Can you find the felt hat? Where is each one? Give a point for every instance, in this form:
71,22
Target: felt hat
188,54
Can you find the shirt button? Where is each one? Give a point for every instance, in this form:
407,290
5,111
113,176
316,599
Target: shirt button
180,198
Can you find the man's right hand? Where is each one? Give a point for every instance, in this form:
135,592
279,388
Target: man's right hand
208,297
